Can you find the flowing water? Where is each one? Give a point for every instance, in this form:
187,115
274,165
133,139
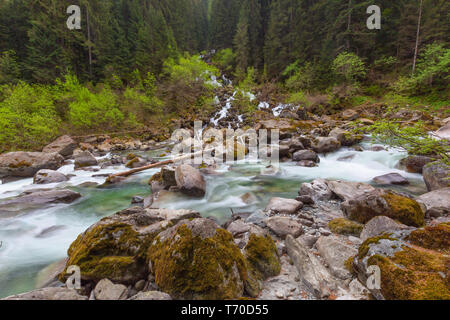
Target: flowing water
28,245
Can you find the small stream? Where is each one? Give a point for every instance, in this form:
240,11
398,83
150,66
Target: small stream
28,245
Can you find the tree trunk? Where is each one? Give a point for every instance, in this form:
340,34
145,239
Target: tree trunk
417,37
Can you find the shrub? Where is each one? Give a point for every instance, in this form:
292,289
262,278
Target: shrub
348,67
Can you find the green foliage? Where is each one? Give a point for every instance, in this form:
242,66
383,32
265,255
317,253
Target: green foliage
433,69
349,68
27,117
225,60
300,77
414,139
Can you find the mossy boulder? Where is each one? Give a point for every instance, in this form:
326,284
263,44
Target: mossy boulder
436,175
115,248
196,259
384,203
345,227
414,265
262,262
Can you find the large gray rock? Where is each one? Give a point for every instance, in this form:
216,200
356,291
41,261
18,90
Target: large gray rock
344,137
391,178
437,202
49,294
283,226
64,145
313,274
46,176
415,164
335,253
318,190
40,197
325,144
85,159
305,155
190,181
106,290
380,225
384,203
436,175
444,132
26,164
346,190
151,295
284,206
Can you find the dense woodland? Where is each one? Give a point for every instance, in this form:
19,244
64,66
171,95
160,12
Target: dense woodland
134,62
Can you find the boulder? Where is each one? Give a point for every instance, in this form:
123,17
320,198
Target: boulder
284,206
380,225
45,176
345,227
444,132
384,203
106,290
306,155
136,162
318,190
413,264
196,259
262,262
116,247
26,164
84,159
151,296
168,177
436,175
437,202
391,178
325,144
415,164
283,226
335,253
346,190
190,181
349,115
313,274
64,145
346,138
49,294
40,197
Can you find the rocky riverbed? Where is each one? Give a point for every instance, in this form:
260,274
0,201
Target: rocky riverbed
338,205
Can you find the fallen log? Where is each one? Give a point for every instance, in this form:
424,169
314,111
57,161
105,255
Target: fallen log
136,170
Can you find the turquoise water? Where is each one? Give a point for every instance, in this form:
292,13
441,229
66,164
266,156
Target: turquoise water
24,253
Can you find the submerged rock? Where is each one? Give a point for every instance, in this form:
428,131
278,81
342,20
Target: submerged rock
45,176
384,203
84,159
26,164
391,178
41,197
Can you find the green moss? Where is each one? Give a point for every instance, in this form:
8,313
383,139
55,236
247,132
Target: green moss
189,267
414,274
349,265
20,164
156,177
131,156
345,226
433,237
261,254
405,210
132,162
111,250
365,246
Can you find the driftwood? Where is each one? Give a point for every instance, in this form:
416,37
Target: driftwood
110,179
